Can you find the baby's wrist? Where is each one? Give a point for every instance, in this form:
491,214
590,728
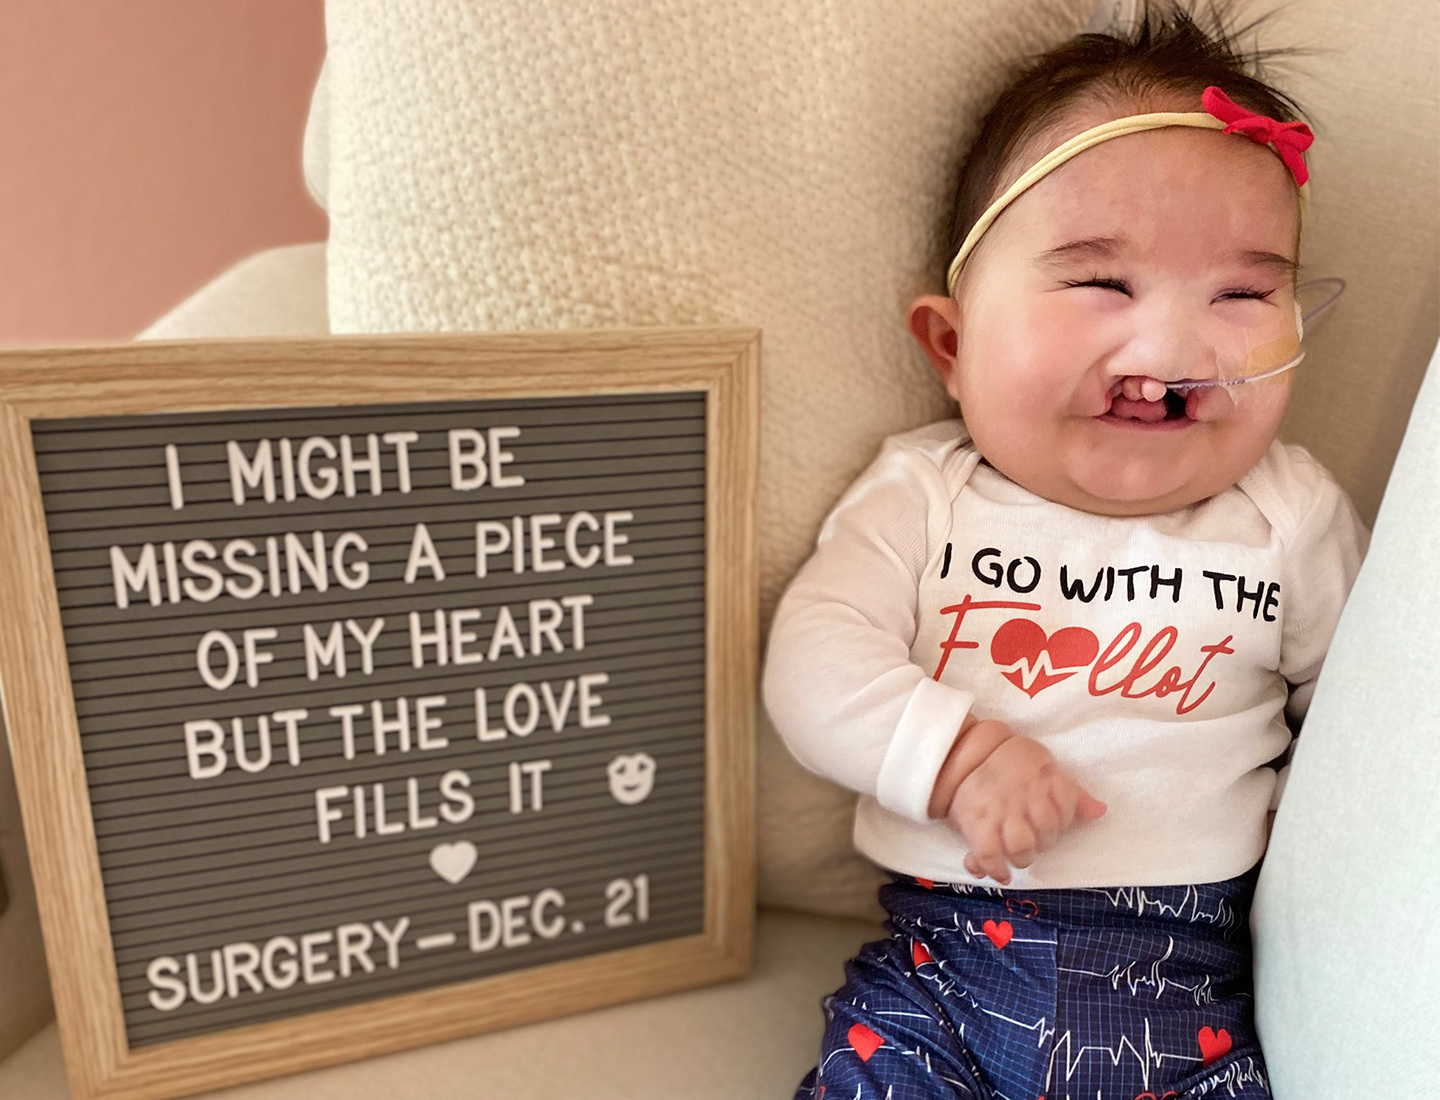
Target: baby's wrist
976,741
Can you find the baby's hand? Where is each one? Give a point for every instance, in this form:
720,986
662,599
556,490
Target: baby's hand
1011,805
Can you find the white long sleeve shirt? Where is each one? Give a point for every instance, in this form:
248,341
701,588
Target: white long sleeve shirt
1157,657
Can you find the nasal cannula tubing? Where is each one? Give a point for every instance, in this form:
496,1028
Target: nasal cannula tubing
1184,385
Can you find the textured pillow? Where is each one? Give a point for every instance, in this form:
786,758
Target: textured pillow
512,165
783,164
1347,960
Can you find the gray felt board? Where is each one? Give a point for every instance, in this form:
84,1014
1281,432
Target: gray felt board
237,886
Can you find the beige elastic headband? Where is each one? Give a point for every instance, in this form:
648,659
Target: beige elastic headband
1078,144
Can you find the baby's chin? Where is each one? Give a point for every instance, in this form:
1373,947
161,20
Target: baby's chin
1101,488
1116,497
1140,482
1137,494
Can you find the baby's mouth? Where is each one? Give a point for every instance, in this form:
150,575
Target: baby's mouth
1148,403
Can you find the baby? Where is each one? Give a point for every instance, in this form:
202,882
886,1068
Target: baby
1060,647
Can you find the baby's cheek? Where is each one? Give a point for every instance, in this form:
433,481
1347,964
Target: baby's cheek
1209,405
1259,406
1001,429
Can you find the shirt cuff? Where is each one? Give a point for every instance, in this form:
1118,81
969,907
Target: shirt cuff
923,738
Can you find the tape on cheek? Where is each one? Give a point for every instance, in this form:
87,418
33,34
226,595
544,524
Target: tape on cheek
1269,355
1262,359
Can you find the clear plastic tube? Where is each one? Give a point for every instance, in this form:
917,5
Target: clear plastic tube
1265,355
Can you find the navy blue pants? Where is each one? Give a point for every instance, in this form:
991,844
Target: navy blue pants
1116,993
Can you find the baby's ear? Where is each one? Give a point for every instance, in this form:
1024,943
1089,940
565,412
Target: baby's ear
934,321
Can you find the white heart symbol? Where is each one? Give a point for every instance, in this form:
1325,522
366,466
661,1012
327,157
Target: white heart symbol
453,862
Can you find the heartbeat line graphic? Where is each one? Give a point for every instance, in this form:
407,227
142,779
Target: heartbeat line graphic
970,933
1149,1060
924,1056
1025,672
1151,976
1232,1077
1043,1029
946,986
1136,899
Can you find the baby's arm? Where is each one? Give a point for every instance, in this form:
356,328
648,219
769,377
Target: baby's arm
839,683
851,705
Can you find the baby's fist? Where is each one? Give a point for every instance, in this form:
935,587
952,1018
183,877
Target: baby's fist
1014,805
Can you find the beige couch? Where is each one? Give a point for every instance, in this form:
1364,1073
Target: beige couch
462,197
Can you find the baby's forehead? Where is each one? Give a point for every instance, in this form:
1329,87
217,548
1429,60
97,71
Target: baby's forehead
1064,122
1175,186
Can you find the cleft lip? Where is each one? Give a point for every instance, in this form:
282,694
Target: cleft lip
1145,398
1169,412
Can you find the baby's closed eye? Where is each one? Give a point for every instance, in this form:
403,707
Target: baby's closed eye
1238,293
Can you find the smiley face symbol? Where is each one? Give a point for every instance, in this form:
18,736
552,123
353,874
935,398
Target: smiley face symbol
632,777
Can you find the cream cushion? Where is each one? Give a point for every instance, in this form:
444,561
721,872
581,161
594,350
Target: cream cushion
762,162
280,292
787,165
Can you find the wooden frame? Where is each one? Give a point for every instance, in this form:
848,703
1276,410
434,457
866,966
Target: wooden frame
250,374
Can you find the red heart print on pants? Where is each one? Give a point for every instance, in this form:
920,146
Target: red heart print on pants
999,933
1213,1046
1022,647
865,1041
920,953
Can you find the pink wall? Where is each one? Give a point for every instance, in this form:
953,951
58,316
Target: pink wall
145,145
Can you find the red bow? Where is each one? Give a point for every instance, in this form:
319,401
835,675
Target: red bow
1289,138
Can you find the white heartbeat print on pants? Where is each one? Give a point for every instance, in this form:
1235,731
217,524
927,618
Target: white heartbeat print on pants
1148,1061
1201,991
1137,899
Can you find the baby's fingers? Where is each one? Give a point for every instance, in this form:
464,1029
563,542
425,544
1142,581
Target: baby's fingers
986,869
1075,802
1045,819
1089,808
986,855
992,866
1019,841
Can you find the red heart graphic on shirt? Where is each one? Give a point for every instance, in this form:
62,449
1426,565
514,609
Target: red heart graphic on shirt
1026,652
999,933
865,1041
920,953
1212,1046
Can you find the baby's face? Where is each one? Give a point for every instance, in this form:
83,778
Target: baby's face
1194,284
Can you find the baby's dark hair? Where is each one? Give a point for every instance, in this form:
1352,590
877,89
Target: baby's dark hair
1170,51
